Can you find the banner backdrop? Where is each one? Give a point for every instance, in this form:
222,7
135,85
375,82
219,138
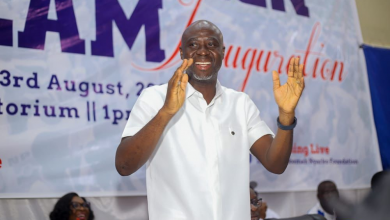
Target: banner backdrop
70,72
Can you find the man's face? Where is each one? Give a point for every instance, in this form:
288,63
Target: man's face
327,191
204,44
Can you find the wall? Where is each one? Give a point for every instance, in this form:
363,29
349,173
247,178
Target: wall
374,20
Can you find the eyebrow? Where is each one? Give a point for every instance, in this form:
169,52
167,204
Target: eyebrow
195,38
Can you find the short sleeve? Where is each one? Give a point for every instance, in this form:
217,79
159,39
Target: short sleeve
144,109
257,128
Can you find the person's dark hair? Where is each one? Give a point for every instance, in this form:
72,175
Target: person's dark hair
377,178
323,183
253,185
62,210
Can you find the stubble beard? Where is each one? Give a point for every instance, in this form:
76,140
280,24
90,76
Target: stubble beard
202,78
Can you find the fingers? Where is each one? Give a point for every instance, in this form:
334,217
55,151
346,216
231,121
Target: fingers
186,63
179,77
183,65
190,62
291,68
296,66
275,79
184,81
295,70
300,76
184,77
300,71
177,72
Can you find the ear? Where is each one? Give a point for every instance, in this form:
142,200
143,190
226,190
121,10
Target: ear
223,52
181,54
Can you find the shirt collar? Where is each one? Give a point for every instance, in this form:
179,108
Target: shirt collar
322,212
191,90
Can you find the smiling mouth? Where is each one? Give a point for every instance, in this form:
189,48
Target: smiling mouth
203,65
81,217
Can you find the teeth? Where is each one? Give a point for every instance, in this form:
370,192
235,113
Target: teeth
202,63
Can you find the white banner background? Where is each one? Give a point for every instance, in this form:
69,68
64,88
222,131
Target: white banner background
48,156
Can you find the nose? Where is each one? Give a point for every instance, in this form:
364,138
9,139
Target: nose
202,51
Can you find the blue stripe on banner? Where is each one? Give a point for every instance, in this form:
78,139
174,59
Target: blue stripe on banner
378,69
94,111
88,110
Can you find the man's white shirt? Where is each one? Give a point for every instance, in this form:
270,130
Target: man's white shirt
317,209
200,167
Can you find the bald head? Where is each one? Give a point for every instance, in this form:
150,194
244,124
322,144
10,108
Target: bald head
201,25
326,187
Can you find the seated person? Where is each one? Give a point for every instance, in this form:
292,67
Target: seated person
374,207
72,207
259,209
325,190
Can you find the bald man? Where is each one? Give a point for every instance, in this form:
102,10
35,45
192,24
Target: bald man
326,189
195,135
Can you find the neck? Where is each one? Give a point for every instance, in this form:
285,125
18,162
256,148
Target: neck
207,88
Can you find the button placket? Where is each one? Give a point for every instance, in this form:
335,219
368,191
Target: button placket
214,148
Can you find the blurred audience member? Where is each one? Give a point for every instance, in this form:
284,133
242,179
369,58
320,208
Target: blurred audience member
259,208
377,178
72,207
256,205
325,190
374,207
